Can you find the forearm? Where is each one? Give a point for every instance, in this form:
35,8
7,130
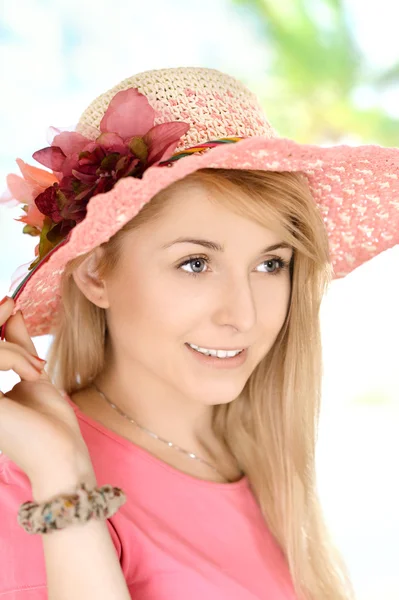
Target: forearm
81,561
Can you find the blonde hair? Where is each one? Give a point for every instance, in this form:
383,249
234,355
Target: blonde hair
271,428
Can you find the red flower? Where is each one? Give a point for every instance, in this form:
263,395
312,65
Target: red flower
127,145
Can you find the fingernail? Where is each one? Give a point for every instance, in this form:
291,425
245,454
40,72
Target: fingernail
37,358
4,300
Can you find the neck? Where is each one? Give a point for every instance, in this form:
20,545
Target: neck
151,404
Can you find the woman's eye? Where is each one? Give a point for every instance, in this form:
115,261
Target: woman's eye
277,263
195,264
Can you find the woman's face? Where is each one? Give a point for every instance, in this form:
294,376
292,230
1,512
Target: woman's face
237,297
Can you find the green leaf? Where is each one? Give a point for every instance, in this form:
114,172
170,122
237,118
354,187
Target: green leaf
45,245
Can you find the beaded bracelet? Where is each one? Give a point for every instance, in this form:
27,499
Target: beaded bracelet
69,509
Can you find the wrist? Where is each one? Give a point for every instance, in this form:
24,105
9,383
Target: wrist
63,480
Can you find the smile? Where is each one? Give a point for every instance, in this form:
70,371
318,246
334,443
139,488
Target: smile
218,353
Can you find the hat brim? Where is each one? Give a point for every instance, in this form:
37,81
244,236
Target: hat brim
355,188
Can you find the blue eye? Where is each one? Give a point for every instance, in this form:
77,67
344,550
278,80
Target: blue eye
281,265
196,261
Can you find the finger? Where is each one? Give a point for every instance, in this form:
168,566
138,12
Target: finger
6,308
12,359
37,362
18,333
16,358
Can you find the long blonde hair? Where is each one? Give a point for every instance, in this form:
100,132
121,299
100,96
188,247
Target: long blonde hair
271,428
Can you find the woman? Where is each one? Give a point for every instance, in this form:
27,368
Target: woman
184,252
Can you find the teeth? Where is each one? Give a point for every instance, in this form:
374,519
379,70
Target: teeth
218,353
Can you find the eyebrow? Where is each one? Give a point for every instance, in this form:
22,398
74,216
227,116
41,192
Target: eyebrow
217,247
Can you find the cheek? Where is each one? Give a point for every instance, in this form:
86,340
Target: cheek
273,307
148,305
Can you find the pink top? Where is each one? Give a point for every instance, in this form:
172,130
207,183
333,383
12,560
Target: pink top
176,537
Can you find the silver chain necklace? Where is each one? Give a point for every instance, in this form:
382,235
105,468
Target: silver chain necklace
154,435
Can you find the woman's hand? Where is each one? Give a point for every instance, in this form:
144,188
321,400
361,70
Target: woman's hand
38,428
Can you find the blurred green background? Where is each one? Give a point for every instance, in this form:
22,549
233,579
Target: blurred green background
320,85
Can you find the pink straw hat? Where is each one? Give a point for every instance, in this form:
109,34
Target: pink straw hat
101,175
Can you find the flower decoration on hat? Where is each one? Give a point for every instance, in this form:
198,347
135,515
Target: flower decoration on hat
128,143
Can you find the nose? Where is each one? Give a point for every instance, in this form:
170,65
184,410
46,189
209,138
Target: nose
236,306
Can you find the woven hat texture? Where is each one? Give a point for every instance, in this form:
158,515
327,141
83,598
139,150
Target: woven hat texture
215,105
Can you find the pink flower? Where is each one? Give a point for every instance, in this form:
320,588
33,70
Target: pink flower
128,114
128,143
32,182
34,218
25,189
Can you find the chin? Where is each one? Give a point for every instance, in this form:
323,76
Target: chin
214,394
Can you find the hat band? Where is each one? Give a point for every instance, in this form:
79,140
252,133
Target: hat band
200,148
